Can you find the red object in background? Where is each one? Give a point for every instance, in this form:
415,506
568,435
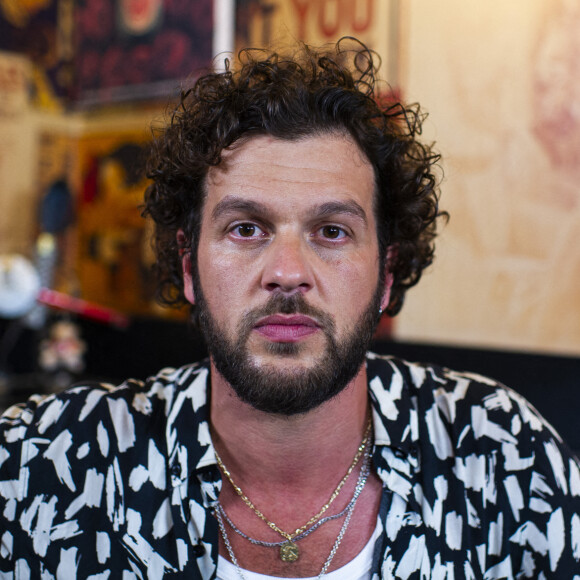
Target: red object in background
140,16
82,307
91,182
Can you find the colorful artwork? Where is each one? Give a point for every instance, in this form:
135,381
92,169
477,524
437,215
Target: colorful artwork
114,256
98,51
139,49
42,30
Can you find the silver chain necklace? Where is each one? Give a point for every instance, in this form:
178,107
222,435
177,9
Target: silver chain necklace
289,551
350,510
365,470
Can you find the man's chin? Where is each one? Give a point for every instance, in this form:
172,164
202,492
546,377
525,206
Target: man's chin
303,348
288,377
291,355
284,364
284,384
284,349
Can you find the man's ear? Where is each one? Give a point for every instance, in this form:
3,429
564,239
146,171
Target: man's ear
388,276
185,255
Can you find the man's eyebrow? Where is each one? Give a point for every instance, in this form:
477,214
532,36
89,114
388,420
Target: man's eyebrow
236,204
341,207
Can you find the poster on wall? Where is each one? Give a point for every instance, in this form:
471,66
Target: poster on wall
14,86
42,31
139,49
113,246
280,23
16,154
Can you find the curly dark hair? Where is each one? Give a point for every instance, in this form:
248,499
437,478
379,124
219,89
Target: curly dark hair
314,91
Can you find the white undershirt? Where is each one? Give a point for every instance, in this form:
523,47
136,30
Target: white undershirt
358,568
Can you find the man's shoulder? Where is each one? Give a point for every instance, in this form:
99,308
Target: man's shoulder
428,382
463,424
98,457
91,403
477,467
462,408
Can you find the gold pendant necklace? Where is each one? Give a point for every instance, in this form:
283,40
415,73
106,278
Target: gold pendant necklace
289,551
333,551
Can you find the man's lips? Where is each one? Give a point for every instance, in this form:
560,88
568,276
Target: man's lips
279,328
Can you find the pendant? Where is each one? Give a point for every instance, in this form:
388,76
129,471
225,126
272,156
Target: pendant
289,552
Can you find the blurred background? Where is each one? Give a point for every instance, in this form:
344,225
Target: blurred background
82,81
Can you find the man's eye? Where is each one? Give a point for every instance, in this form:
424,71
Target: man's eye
332,232
247,230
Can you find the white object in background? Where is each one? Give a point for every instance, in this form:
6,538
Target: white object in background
224,17
19,286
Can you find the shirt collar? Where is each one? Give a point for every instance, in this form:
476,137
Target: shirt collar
395,423
394,420
188,406
394,414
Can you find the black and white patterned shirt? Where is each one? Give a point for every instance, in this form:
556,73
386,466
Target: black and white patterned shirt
119,482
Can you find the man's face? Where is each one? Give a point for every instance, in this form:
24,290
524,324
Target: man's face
287,282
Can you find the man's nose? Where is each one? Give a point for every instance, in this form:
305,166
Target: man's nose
288,265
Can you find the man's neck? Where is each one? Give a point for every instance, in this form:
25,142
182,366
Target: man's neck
289,467
275,449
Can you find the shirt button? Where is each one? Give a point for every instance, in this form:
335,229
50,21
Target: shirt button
198,550
175,469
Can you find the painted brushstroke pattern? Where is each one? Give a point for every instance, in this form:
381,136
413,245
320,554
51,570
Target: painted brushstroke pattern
119,482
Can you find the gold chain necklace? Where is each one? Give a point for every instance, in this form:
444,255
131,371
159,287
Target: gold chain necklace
289,550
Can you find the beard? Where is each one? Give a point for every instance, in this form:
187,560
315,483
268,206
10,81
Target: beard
298,390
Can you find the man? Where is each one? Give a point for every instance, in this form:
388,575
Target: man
292,209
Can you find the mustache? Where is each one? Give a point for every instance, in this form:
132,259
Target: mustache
281,304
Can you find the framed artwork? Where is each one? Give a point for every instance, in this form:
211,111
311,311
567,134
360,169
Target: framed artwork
113,249
42,31
139,49
279,23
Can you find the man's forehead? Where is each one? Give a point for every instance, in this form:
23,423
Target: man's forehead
319,164
247,150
